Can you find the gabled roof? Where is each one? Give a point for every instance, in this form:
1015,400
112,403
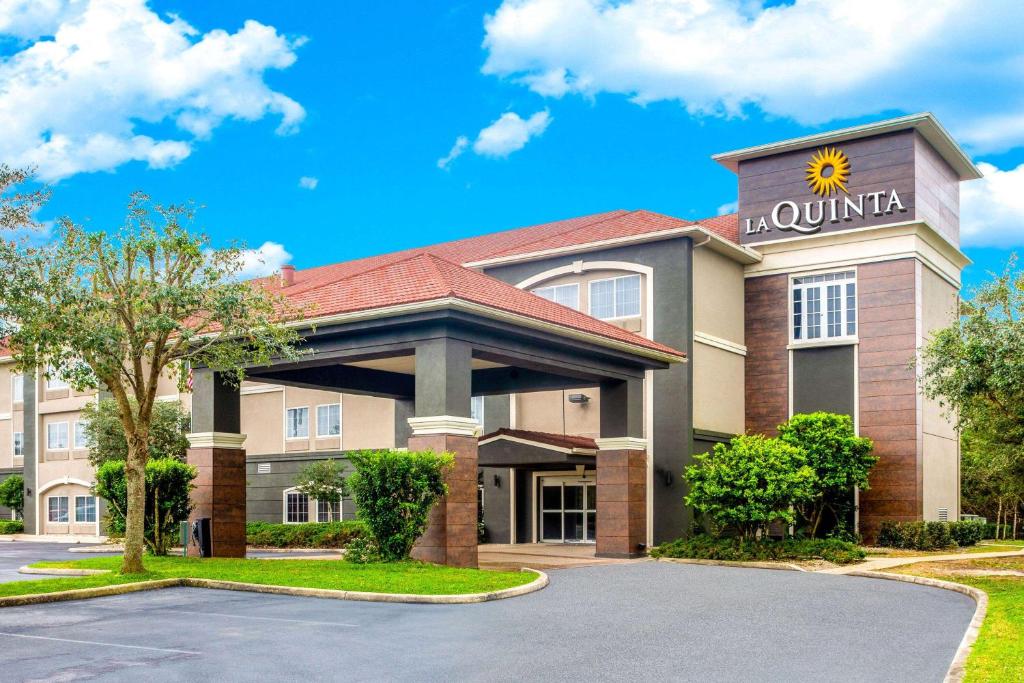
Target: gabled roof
567,442
419,278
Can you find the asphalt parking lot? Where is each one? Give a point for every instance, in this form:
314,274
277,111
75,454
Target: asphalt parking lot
617,622
15,554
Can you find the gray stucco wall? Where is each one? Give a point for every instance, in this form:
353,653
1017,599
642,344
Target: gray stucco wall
496,504
823,380
265,492
672,262
31,454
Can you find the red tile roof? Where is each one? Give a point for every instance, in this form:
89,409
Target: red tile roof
727,226
560,440
422,277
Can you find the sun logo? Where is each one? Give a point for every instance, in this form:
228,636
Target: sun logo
827,171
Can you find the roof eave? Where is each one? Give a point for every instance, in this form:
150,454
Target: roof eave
925,123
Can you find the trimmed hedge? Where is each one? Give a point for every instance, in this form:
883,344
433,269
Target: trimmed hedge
916,535
11,526
311,535
704,547
967,533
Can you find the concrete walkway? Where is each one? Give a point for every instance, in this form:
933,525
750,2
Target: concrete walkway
883,563
542,556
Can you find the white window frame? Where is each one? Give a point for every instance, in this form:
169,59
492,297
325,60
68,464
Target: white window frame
67,511
615,313
15,446
67,437
553,289
74,436
341,510
476,405
286,421
17,388
284,504
55,383
95,511
822,286
318,421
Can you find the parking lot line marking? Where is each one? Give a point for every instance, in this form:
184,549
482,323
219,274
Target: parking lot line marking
246,616
95,642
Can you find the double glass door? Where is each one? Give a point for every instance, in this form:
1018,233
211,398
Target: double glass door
568,510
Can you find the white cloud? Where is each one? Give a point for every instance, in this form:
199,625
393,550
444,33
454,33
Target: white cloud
810,60
510,133
728,207
992,209
308,182
74,103
454,153
264,261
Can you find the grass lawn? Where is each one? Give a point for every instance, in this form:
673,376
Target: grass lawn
404,577
984,547
998,654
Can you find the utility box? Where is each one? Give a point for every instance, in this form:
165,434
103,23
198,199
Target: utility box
201,536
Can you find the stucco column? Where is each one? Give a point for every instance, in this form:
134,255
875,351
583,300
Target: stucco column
216,452
442,424
621,472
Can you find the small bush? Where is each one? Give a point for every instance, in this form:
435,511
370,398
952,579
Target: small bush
311,535
967,533
704,547
12,493
995,531
394,492
12,526
362,550
916,535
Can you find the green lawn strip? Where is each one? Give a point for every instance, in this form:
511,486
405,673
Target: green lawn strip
998,653
404,577
66,583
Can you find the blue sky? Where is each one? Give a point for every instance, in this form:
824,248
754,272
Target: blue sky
606,106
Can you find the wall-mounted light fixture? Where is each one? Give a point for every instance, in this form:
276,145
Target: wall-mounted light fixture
497,481
579,398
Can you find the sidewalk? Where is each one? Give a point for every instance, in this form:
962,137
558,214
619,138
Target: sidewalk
884,563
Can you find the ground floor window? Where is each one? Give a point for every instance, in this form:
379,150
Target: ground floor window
296,507
57,509
328,512
568,510
85,509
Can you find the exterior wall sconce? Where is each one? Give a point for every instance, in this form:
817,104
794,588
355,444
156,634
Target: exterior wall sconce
579,398
497,481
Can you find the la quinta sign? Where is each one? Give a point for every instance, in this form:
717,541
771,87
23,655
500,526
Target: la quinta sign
827,173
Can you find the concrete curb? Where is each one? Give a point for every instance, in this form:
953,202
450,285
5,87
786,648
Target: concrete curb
733,563
81,593
957,668
97,549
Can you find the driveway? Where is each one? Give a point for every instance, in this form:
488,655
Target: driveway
14,554
647,620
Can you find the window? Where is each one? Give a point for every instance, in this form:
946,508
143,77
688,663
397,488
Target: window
618,297
297,423
825,306
328,420
85,509
19,444
567,295
476,409
80,440
53,382
57,436
57,509
17,388
296,507
328,512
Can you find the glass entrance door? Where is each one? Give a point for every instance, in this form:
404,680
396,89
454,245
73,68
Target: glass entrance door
568,510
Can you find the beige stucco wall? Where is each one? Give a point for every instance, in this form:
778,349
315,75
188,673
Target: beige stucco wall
367,422
717,296
718,391
941,456
262,420
6,418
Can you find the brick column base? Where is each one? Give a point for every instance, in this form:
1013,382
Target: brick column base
219,494
451,536
621,503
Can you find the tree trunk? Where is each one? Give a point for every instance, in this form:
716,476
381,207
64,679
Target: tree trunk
135,519
999,518
1016,508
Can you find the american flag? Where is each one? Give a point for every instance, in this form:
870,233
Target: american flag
188,377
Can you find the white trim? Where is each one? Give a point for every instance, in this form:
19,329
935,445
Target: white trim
445,424
67,430
554,288
535,502
215,440
264,389
621,443
718,243
296,438
512,506
95,509
15,376
574,450
719,343
46,508
65,480
284,504
843,339
5,416
74,433
168,398
924,123
317,430
614,280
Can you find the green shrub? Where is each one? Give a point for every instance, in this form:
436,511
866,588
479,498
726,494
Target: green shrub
311,535
705,547
11,526
394,492
996,531
967,533
916,535
750,483
12,493
168,482
362,550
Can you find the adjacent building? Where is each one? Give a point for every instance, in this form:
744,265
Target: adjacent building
816,295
